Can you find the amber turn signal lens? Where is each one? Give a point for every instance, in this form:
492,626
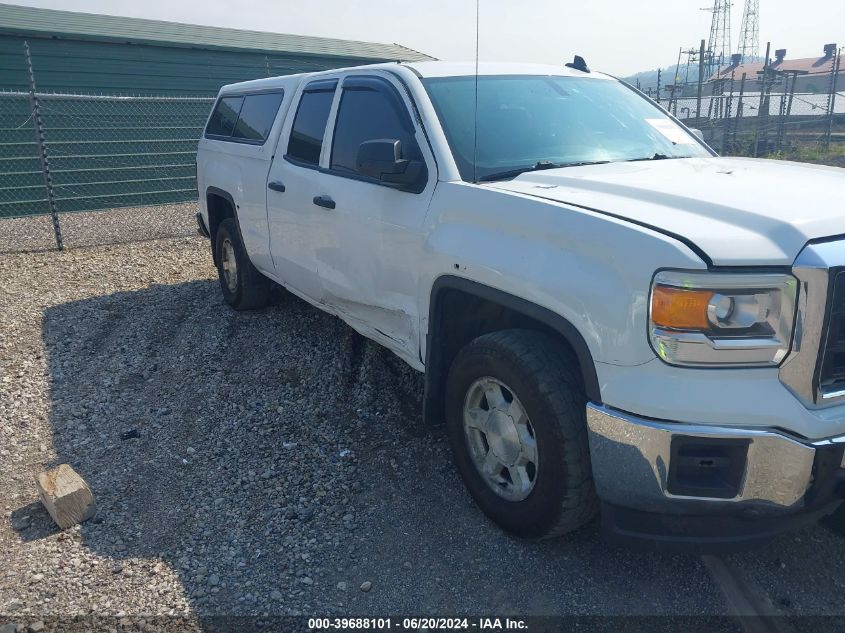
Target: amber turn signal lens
680,309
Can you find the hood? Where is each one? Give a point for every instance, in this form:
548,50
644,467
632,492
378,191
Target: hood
738,211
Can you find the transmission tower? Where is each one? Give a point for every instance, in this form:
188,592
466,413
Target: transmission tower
749,43
719,45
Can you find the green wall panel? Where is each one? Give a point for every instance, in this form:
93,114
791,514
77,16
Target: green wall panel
107,153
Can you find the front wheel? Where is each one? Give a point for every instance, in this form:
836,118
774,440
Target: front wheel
244,288
516,418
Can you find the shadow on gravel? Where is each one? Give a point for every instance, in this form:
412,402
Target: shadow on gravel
276,460
32,522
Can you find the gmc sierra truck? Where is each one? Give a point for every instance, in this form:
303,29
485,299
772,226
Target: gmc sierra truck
610,317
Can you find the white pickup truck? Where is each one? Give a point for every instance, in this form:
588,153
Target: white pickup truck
609,316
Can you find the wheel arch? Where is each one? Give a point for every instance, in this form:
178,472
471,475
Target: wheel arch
220,205
480,309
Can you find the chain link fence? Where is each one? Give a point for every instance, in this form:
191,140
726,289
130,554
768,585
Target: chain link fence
769,124
64,155
763,113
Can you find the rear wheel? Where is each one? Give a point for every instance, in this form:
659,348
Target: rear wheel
516,417
244,288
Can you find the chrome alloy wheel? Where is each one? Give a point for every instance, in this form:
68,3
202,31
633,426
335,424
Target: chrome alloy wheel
230,265
501,439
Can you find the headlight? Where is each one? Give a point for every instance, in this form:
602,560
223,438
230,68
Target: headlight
728,319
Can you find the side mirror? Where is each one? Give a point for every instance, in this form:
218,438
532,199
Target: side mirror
698,133
382,160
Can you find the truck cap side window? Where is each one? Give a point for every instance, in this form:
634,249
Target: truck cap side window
244,118
257,116
370,109
309,125
225,116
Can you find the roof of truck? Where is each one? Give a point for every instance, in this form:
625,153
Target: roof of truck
267,83
460,69
424,69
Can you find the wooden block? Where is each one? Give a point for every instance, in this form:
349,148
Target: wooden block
66,496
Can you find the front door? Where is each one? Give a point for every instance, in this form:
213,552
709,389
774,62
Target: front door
371,239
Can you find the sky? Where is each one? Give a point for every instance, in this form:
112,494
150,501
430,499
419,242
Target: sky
620,37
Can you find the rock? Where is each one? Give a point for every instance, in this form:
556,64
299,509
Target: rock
66,496
276,595
9,628
37,577
341,585
36,627
214,580
306,580
366,586
131,434
406,565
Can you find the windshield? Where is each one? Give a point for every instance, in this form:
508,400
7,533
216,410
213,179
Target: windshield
538,122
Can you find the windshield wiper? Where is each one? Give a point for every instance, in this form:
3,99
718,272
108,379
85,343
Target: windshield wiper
538,166
657,156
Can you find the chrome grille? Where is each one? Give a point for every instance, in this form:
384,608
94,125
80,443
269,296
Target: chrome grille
814,370
831,374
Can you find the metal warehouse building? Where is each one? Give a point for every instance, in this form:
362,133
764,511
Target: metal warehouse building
119,103
81,52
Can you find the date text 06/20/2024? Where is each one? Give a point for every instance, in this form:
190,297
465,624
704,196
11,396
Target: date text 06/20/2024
415,624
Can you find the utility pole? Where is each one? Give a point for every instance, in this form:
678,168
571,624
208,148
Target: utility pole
763,107
700,80
659,75
739,112
831,101
673,94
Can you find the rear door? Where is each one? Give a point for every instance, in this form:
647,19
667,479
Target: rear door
371,235
293,181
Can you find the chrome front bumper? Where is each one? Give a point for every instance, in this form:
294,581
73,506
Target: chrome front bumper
631,461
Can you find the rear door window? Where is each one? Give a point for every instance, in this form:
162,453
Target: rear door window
309,125
224,117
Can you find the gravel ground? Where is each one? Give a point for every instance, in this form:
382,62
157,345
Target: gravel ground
281,467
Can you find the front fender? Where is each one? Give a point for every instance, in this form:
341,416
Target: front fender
591,269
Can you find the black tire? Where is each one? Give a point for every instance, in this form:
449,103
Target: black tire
251,288
542,373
